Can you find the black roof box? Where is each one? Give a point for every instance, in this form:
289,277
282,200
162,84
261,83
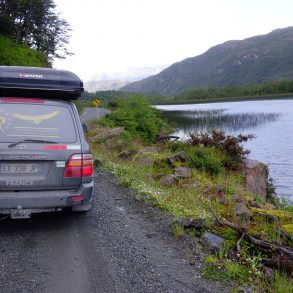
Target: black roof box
34,82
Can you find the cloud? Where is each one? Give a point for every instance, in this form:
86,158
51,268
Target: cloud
111,35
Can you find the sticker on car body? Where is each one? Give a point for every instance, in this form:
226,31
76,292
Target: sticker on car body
60,164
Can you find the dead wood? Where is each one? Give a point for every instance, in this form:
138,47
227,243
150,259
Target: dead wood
165,138
264,245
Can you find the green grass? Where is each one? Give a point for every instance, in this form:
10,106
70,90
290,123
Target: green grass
226,270
282,284
177,229
12,54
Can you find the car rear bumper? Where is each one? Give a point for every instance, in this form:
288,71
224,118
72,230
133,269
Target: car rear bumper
42,201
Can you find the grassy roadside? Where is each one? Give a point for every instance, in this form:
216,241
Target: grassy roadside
214,186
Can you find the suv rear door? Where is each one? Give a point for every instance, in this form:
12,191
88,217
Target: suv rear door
37,137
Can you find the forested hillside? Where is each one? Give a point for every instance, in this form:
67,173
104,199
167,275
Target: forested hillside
251,61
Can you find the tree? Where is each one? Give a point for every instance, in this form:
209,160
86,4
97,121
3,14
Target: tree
35,23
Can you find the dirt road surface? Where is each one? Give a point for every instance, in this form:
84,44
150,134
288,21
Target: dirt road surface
122,245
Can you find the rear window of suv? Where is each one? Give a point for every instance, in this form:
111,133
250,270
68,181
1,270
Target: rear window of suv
36,121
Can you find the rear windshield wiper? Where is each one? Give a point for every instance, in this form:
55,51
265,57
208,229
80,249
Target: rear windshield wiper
30,141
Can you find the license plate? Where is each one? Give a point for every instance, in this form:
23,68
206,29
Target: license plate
20,214
19,168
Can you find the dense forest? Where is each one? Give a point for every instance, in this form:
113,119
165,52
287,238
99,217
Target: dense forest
260,90
272,89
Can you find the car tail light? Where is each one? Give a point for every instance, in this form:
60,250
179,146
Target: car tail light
77,198
79,166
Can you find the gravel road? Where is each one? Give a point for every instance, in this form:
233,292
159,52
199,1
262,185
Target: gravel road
93,113
122,245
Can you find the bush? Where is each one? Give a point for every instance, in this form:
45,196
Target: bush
205,159
137,117
230,146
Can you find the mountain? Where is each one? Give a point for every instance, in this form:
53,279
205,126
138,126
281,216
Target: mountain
250,61
116,80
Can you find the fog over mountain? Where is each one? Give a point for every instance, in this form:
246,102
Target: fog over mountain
116,80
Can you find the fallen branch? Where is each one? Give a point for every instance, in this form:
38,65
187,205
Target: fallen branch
238,248
165,138
257,242
282,256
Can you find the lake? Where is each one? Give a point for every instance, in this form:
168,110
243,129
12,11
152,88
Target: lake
270,121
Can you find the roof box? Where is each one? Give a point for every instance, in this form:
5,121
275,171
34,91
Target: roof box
34,82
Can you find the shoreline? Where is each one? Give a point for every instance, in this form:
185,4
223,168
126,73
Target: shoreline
234,99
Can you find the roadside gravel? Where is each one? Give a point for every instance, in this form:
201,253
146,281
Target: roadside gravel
122,245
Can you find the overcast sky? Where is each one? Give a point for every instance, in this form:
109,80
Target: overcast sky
112,35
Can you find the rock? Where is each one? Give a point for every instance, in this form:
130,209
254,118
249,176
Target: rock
220,188
146,162
246,289
268,272
127,154
214,242
190,186
237,198
183,172
190,223
169,180
241,212
148,149
256,177
108,134
224,201
255,204
179,157
97,163
158,175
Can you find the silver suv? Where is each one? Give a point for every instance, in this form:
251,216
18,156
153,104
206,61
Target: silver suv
45,161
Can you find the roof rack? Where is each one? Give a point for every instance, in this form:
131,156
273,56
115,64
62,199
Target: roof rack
35,82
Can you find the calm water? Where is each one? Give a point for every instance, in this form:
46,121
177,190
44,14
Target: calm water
270,121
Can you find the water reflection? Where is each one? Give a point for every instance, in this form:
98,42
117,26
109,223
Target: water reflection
202,120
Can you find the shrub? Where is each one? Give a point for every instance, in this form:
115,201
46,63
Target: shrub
230,146
137,117
205,159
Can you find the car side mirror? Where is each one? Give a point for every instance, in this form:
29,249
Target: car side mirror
84,127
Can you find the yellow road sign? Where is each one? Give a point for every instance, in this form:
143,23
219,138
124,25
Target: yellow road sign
96,102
